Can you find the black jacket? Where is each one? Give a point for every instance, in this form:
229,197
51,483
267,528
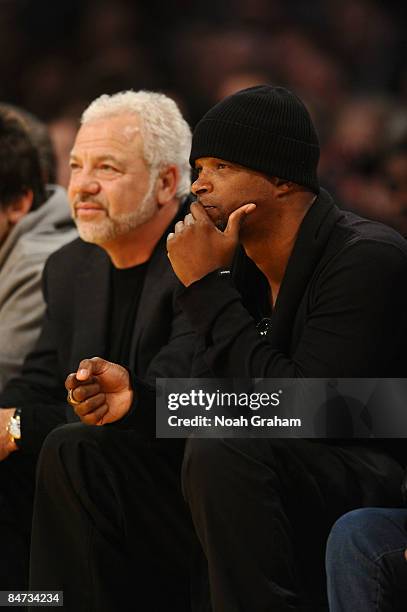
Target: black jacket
76,290
341,310
341,313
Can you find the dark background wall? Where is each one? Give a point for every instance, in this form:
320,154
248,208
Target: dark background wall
345,58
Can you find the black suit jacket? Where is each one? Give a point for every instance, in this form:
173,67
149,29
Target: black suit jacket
341,310
76,289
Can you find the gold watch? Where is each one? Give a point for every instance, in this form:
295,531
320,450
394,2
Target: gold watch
14,426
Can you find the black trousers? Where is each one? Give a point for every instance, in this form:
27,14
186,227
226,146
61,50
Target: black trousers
17,477
263,509
110,526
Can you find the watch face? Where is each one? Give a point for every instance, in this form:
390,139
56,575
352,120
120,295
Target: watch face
14,428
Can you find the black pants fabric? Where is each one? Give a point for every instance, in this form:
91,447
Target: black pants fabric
110,526
263,509
17,477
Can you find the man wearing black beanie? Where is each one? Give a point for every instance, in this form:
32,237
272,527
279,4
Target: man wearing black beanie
333,287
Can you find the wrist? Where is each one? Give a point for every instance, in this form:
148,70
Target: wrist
12,446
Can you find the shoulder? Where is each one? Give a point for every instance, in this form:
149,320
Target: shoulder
364,266
73,254
42,231
365,243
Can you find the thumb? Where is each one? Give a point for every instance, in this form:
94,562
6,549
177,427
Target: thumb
236,219
91,367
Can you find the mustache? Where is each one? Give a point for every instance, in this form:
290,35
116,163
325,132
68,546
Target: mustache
205,203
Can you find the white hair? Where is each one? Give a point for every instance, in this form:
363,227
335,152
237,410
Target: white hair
165,133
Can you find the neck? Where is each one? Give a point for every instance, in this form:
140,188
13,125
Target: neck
271,244
136,247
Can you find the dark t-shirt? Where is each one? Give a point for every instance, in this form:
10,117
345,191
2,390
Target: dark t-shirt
126,285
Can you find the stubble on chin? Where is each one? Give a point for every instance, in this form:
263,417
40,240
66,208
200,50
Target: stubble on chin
220,221
95,233
110,229
221,225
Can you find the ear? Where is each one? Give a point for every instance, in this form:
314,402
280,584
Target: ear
20,207
167,184
283,187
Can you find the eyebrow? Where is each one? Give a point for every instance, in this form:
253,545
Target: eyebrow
98,158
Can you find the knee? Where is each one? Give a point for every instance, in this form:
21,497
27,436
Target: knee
70,435
355,534
60,447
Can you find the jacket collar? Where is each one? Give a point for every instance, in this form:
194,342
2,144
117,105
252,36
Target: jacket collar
92,297
311,242
157,269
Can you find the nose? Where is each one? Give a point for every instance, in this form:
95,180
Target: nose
82,182
201,185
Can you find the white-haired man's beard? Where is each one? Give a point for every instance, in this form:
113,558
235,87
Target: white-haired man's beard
110,228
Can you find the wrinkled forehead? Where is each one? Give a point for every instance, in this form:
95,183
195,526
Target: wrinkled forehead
116,132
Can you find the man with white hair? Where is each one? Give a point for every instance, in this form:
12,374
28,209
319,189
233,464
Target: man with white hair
109,293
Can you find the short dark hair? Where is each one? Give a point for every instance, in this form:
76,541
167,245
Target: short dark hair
41,139
20,169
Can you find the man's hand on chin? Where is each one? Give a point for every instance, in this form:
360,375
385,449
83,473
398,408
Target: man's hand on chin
7,444
197,247
99,391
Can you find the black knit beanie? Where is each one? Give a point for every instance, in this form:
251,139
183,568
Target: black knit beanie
264,128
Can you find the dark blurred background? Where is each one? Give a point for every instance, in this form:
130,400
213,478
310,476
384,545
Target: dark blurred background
345,58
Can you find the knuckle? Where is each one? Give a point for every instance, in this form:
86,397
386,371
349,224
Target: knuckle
78,411
89,404
78,394
69,380
89,419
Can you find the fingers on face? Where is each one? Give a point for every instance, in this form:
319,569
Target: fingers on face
179,226
199,213
243,211
189,219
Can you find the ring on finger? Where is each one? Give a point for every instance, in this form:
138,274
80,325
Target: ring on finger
70,398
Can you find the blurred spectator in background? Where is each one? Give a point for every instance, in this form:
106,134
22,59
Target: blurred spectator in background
393,170
363,161
40,138
62,131
34,221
